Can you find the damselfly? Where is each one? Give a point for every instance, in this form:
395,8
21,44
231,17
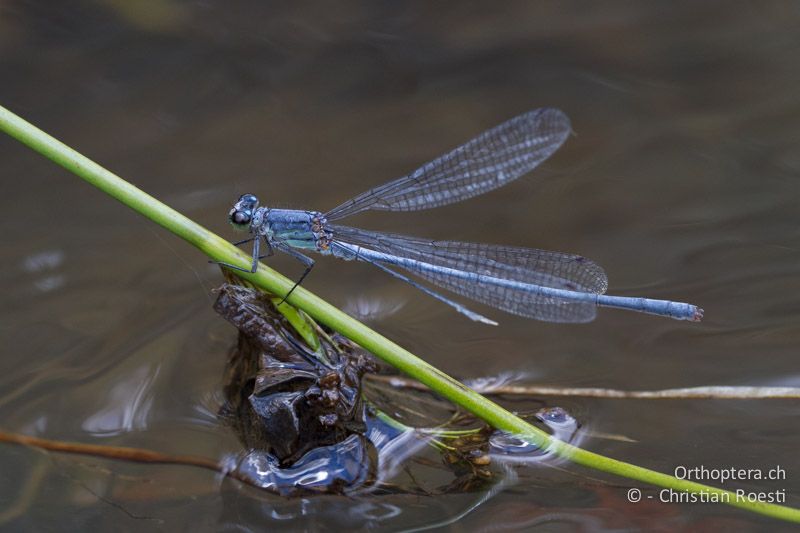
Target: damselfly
551,286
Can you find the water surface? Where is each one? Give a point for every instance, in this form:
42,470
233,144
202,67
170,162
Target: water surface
681,181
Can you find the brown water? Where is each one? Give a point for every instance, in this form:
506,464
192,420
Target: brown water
682,182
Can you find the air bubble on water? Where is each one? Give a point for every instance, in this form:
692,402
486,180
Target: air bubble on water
506,447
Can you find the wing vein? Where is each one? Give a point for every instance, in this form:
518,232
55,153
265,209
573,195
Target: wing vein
490,160
528,265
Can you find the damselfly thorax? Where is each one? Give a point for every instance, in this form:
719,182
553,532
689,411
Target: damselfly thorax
304,230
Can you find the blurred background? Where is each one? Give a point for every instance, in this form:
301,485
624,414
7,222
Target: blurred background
681,181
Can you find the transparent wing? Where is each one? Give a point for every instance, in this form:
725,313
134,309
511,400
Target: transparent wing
539,267
491,160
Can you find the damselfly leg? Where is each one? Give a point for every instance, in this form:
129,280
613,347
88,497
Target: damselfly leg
307,262
256,257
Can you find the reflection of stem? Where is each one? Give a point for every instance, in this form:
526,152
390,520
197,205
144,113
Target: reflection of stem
710,392
322,333
509,479
24,496
435,436
386,418
136,455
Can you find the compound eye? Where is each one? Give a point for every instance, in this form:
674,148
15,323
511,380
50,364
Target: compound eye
241,218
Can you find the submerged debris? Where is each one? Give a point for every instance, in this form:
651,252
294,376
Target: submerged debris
298,410
284,398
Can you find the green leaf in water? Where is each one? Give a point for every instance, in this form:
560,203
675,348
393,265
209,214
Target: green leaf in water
300,322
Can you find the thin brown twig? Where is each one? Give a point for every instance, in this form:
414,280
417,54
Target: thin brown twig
141,455
120,453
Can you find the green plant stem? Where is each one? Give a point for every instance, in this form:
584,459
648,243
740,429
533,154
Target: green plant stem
220,250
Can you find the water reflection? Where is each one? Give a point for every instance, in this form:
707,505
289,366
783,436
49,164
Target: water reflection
368,309
46,265
502,379
127,404
46,260
396,447
346,464
508,448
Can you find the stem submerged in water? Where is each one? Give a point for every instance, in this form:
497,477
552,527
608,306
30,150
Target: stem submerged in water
219,249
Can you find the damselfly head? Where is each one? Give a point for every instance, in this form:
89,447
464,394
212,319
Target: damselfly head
241,214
